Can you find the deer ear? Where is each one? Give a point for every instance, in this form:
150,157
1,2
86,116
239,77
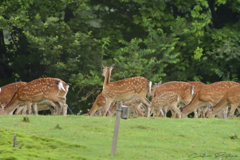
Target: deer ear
113,65
160,83
104,66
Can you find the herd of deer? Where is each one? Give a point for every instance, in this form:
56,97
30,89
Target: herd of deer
181,98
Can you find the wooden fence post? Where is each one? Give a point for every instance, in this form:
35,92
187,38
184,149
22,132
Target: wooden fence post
116,128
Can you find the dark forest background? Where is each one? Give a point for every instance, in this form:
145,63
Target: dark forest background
162,40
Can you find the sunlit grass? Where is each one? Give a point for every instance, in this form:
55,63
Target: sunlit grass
79,137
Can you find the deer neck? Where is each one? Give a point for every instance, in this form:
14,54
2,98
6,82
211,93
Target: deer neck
220,106
93,109
12,105
195,103
107,77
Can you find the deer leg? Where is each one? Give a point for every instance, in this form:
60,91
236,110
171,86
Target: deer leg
19,109
140,110
147,105
226,113
231,112
238,111
108,104
195,113
173,114
28,104
165,109
199,112
24,110
113,108
35,109
176,110
205,110
158,112
53,110
134,106
161,113
64,109
58,107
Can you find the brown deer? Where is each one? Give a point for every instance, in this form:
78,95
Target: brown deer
98,105
135,105
39,90
208,95
55,107
7,92
230,99
166,101
125,90
197,86
183,89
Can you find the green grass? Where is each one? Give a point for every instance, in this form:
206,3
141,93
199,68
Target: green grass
80,137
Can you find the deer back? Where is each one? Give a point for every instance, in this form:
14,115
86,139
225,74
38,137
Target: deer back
126,87
215,91
38,89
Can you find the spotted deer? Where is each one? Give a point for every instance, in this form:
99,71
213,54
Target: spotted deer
208,95
135,105
7,92
183,89
98,105
166,101
40,90
125,90
230,99
197,86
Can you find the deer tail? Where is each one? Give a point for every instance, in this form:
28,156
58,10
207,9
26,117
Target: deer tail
150,86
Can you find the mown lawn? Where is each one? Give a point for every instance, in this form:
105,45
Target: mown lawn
80,137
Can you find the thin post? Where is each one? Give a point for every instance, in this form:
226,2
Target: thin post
70,110
116,128
14,140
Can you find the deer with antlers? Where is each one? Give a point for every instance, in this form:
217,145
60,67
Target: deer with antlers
183,89
165,101
125,90
40,90
208,95
230,99
7,92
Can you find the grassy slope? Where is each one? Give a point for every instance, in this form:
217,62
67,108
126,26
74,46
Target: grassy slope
141,138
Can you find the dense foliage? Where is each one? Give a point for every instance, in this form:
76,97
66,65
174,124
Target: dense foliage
161,40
